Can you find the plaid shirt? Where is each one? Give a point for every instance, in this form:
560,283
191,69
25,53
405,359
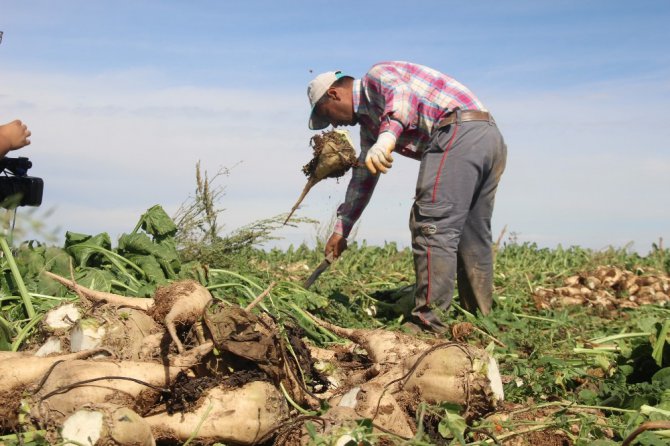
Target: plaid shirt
404,99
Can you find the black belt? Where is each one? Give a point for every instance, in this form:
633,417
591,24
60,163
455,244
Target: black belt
465,115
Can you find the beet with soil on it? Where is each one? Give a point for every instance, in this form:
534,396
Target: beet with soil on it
334,155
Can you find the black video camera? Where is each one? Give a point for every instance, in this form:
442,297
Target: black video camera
16,187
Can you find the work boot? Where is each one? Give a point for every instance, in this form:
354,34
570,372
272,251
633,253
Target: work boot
436,328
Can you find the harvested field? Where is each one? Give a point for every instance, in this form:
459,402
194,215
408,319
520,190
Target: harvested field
569,356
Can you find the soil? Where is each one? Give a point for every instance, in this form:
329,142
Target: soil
546,438
185,391
165,296
430,425
516,413
8,401
333,156
461,331
316,380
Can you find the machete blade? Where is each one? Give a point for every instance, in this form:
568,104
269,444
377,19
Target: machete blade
319,269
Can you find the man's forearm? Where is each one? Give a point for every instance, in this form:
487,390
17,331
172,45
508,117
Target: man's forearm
360,189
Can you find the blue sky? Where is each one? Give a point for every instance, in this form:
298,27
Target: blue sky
124,97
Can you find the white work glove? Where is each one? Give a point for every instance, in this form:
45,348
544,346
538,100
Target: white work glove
379,156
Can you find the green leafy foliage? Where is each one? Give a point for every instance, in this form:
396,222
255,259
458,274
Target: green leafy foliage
157,223
452,425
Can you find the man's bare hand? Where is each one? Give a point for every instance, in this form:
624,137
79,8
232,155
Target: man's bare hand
13,135
336,245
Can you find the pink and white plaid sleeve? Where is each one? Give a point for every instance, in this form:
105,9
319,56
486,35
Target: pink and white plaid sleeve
360,189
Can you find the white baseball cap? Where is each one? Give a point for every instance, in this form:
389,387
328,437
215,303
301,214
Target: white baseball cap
315,91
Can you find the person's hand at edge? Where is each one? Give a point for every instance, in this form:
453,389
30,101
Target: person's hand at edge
13,135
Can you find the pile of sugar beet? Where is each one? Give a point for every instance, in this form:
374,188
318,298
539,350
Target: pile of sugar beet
182,366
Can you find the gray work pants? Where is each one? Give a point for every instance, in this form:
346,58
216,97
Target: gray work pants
451,218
